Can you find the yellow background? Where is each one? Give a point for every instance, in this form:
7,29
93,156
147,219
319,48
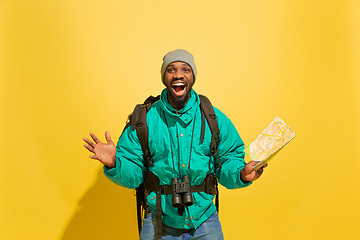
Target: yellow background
73,66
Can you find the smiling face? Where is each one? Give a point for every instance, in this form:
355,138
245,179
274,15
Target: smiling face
178,79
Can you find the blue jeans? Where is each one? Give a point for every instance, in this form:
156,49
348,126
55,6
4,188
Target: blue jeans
209,230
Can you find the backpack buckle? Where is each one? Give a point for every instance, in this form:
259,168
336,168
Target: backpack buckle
139,123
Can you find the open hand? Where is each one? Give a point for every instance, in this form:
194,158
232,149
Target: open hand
104,152
248,173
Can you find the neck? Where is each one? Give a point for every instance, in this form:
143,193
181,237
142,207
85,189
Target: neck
178,103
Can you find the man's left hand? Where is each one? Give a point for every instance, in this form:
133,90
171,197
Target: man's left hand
248,173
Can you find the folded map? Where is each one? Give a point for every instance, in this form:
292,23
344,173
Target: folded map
275,136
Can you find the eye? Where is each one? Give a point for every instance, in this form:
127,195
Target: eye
170,70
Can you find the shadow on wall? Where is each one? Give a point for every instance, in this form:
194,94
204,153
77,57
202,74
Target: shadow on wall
107,211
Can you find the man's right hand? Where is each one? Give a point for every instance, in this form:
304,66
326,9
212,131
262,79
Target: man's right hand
104,152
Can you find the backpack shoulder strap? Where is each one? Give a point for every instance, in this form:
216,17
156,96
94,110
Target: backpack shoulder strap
207,111
137,120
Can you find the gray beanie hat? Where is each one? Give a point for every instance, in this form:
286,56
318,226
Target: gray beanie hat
178,55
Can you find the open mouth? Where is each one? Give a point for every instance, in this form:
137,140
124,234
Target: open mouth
179,88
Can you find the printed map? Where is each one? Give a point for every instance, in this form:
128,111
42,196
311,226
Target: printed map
270,140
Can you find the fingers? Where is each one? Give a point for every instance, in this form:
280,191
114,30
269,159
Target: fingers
253,163
90,145
98,147
91,149
107,137
260,170
264,165
89,142
96,140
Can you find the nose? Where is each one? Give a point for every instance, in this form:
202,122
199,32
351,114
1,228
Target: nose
179,75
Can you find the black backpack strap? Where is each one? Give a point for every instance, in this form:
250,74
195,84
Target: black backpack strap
217,198
137,120
140,206
158,215
209,113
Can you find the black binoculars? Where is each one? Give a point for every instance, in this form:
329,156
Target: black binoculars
181,192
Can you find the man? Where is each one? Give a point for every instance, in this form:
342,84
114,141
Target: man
174,124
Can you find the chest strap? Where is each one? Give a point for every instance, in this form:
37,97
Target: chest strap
152,185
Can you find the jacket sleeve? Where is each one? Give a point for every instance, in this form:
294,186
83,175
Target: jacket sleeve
231,152
129,169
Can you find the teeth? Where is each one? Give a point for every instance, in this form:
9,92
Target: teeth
178,84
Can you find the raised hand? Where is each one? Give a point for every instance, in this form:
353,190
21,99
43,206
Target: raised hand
248,173
104,152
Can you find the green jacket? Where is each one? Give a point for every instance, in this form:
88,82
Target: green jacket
171,135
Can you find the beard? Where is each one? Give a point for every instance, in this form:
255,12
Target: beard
179,102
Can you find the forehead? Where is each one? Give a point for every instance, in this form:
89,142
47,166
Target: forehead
178,64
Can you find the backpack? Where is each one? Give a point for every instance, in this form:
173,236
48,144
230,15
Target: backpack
137,120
